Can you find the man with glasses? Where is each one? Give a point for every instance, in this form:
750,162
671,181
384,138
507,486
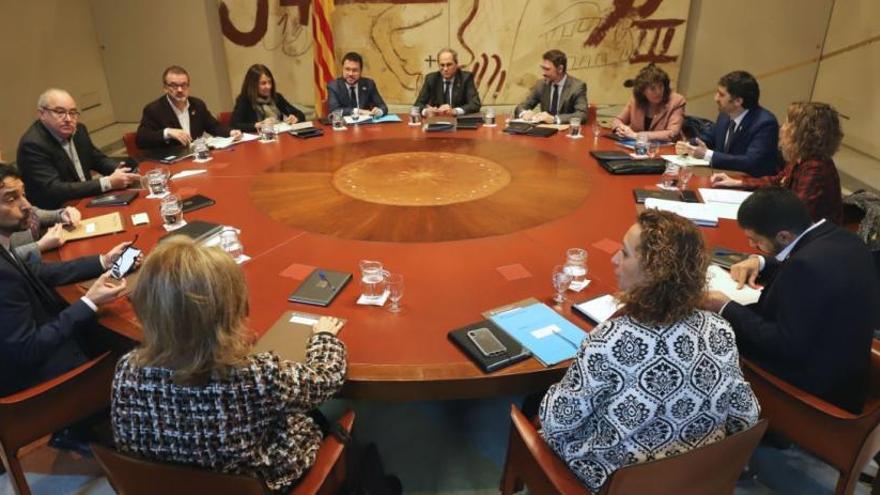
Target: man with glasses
57,158
176,118
449,91
561,96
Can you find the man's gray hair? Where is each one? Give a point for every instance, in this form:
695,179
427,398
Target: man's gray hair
43,100
449,51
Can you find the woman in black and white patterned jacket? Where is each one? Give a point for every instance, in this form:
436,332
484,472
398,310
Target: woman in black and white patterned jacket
194,394
661,378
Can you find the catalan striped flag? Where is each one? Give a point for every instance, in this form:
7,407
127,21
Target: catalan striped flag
325,65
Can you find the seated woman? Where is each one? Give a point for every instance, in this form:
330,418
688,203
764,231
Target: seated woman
662,376
259,102
193,394
808,139
654,108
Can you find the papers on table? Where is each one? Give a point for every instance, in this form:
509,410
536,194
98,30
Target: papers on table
391,117
686,161
599,309
719,279
95,226
357,120
220,143
547,334
187,173
699,213
724,202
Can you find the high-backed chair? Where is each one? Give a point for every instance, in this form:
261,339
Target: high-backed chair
844,440
225,118
130,141
38,411
132,475
712,468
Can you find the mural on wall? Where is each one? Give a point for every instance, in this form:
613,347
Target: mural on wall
501,41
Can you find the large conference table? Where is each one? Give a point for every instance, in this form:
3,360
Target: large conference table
473,219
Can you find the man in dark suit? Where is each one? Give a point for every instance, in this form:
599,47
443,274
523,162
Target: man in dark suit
450,91
176,118
560,95
353,94
42,336
814,321
57,157
745,136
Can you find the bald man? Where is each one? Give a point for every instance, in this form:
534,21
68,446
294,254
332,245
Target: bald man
57,158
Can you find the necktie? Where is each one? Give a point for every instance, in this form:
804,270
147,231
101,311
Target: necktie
554,100
729,136
447,95
353,97
74,158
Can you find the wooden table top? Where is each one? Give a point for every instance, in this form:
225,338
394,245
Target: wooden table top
416,202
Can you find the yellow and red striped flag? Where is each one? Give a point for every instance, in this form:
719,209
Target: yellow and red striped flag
325,64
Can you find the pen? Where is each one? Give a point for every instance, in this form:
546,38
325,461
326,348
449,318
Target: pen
323,277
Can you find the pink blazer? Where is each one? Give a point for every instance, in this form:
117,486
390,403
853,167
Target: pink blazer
666,125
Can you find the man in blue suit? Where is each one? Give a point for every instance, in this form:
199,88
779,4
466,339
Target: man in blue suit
353,94
745,136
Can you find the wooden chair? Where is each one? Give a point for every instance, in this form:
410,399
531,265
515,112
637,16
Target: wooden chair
132,475
712,468
844,440
225,118
38,411
130,141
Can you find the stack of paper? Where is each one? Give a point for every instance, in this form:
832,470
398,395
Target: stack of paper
357,120
220,143
685,161
547,334
724,202
699,213
719,279
599,309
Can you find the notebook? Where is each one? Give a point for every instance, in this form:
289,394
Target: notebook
95,226
196,202
118,198
196,229
514,353
719,279
599,309
289,336
528,129
318,290
545,333
434,124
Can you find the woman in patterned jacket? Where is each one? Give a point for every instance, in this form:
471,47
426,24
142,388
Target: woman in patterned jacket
193,394
659,379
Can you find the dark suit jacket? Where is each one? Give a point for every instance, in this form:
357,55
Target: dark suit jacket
37,334
572,101
754,147
159,115
48,172
464,92
368,95
814,322
244,116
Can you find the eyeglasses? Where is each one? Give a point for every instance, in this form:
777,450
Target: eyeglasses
176,85
61,112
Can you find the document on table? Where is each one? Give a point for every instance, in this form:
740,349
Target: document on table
547,334
731,196
719,279
699,213
599,309
220,143
361,118
687,161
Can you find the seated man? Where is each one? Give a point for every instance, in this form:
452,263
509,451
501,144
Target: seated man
745,136
560,95
450,91
353,94
41,335
177,119
57,157
814,322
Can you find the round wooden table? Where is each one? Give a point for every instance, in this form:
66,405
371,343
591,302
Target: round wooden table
473,219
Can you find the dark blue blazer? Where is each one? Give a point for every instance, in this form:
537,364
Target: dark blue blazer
754,147
814,322
368,94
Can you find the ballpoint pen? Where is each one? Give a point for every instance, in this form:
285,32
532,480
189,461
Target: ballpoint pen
323,277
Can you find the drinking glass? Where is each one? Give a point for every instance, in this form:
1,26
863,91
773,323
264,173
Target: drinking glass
268,132
574,129
641,147
685,173
669,179
200,147
415,116
597,129
653,148
156,181
230,243
372,278
561,281
394,282
489,118
336,120
576,265
171,211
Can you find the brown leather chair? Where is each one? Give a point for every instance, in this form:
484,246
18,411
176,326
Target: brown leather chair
225,118
130,141
38,411
711,469
844,440
132,475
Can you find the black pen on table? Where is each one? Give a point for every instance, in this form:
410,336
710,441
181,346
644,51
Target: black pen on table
323,277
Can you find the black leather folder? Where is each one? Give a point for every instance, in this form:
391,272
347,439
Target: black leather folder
196,202
317,291
687,196
196,230
514,354
118,198
634,167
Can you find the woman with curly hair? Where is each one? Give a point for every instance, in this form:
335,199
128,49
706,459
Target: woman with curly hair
808,139
654,108
659,378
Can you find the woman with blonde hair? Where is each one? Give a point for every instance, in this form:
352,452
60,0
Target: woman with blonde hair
808,139
194,394
654,108
659,378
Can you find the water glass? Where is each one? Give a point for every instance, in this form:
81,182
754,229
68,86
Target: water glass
641,147
574,129
597,130
561,281
156,181
653,148
230,243
685,173
415,116
576,265
202,152
268,131
171,211
489,117
394,282
669,179
336,120
372,278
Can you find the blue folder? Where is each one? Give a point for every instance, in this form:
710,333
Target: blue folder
391,117
548,335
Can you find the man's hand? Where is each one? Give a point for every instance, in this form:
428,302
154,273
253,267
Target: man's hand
327,324
71,216
235,134
724,180
105,289
544,117
714,300
695,150
53,238
108,258
445,109
429,111
746,272
291,119
376,111
180,135
626,131
122,178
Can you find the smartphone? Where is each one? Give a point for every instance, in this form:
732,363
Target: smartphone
486,342
125,262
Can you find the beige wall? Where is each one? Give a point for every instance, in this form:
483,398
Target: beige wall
42,44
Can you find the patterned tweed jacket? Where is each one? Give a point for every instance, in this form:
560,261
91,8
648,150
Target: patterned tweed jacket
636,393
253,421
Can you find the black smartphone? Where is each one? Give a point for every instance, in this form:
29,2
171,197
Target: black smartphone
486,341
126,260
